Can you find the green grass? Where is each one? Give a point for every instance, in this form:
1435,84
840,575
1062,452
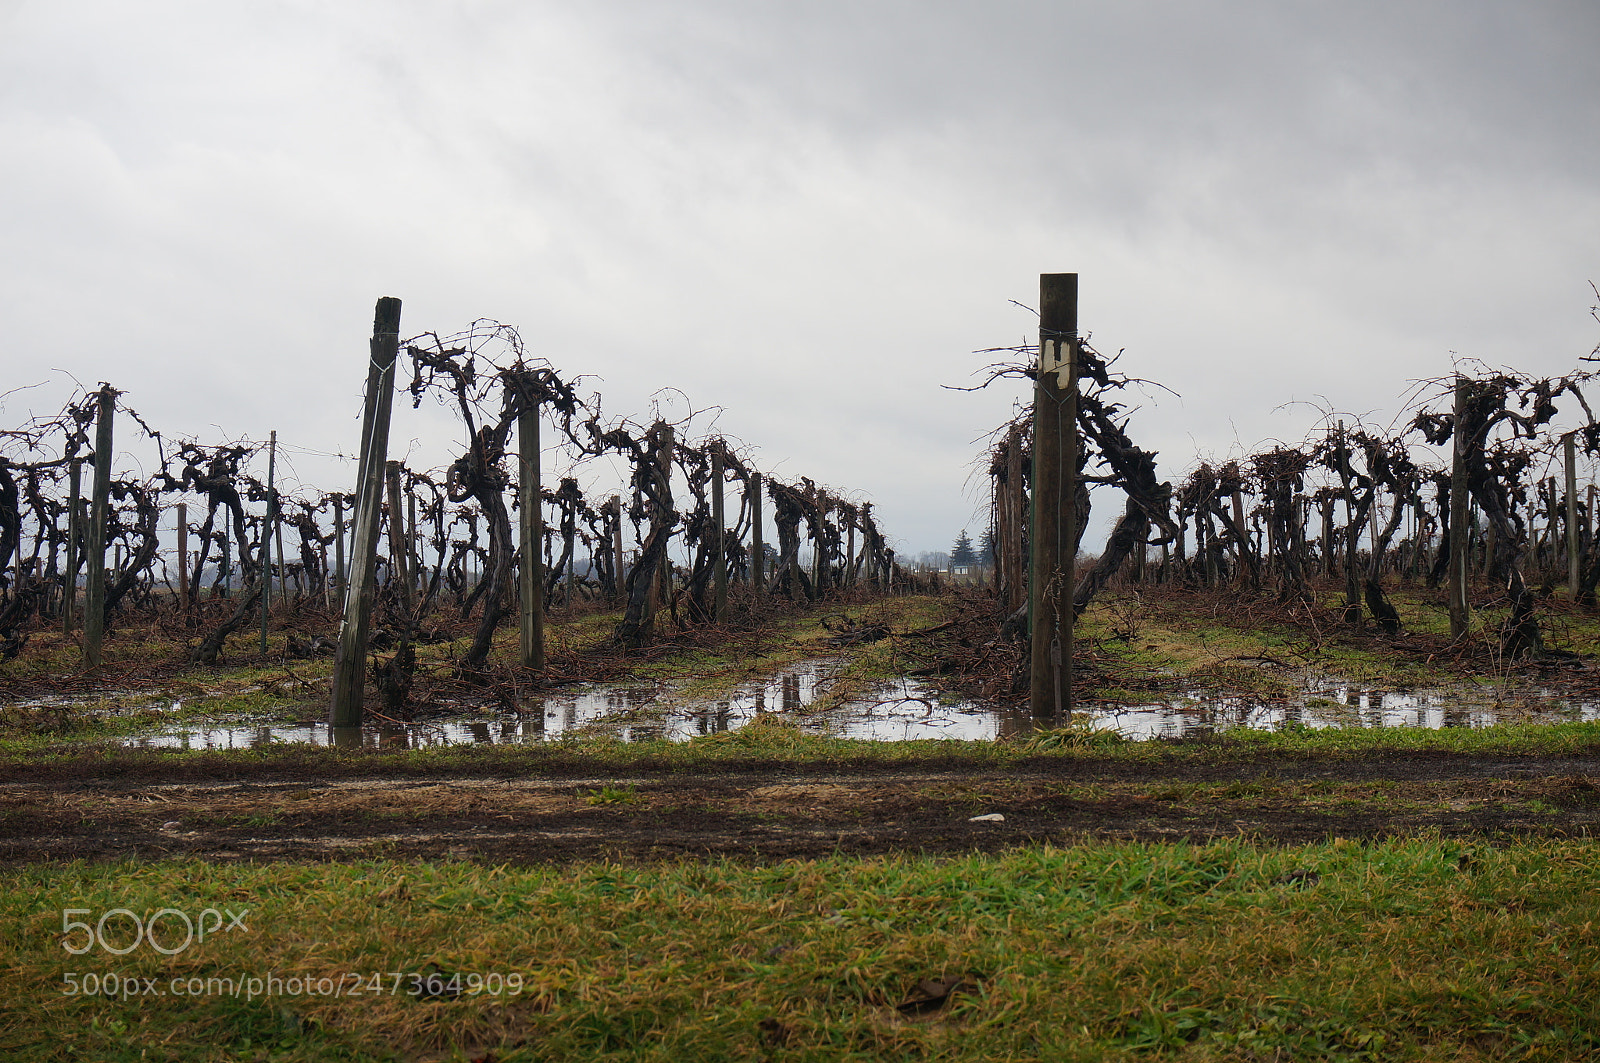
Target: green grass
1411,949
1193,636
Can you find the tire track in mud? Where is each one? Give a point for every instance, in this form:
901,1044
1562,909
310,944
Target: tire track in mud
784,813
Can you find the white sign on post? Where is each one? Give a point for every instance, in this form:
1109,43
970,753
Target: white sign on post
1054,357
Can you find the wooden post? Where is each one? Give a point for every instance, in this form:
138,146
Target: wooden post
1241,544
663,575
413,547
530,527
719,557
399,549
94,597
1054,498
277,538
1012,549
1374,528
616,543
1586,521
757,556
1459,530
69,601
1570,452
1352,537
572,578
183,556
350,663
338,546
1328,547
850,554
266,539
819,552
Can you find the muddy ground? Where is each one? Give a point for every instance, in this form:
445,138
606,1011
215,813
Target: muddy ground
269,813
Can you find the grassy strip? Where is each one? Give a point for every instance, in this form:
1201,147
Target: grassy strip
1409,949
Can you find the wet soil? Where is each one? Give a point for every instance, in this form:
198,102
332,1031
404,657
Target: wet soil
278,812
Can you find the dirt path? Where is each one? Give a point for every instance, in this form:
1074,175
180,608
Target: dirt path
769,815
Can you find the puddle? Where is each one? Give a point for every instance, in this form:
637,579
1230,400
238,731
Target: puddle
1340,706
898,711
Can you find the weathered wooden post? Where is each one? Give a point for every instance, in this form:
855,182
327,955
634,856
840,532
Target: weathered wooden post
1586,519
1054,498
850,553
399,549
266,539
1329,548
1241,542
69,602
1012,550
1352,536
1570,452
94,595
414,567
616,544
662,472
719,557
757,555
277,534
530,528
1374,529
183,556
349,666
338,546
1459,529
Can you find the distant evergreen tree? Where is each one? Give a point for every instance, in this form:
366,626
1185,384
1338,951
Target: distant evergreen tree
963,553
986,547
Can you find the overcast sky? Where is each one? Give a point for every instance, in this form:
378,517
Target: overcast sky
806,214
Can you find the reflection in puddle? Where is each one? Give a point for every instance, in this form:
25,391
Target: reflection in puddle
1340,705
898,711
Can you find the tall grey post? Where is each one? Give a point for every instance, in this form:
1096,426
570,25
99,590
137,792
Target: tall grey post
1055,493
94,596
349,667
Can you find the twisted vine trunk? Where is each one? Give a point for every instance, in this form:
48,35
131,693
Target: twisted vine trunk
655,481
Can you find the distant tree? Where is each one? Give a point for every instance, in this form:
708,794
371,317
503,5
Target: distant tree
963,553
986,547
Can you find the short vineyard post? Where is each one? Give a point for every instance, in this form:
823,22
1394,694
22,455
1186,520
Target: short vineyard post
266,540
338,545
757,555
1459,529
94,596
719,558
1570,452
530,528
399,549
616,544
69,601
183,557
